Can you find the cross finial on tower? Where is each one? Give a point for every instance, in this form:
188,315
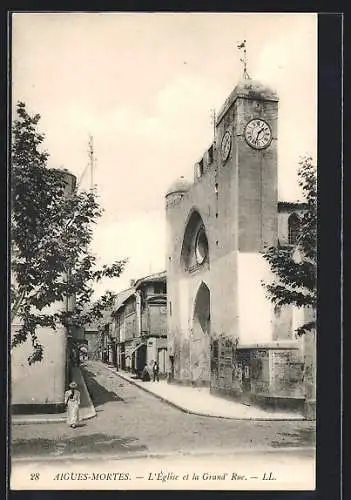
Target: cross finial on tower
242,46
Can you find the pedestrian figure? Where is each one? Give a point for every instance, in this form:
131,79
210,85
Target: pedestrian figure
145,375
72,401
155,371
105,356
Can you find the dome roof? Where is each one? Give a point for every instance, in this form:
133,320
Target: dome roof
248,87
180,185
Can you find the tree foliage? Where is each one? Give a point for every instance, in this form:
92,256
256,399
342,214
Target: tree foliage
51,230
295,270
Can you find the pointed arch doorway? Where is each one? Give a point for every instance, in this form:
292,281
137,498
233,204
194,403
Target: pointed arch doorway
200,353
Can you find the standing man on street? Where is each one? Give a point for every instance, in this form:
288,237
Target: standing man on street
155,371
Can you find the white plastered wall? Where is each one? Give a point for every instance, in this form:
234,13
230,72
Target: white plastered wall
255,310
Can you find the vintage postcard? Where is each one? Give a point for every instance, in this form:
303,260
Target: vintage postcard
163,251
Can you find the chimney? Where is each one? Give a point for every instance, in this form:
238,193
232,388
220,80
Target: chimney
131,283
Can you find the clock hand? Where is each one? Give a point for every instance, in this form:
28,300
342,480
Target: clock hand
254,135
258,134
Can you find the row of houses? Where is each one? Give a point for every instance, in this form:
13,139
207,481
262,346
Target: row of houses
135,333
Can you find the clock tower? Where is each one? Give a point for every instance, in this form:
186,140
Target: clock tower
222,329
246,137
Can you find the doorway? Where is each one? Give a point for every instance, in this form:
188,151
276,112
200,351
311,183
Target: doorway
200,347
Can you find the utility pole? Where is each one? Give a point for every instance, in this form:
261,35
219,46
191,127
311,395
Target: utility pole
91,165
92,162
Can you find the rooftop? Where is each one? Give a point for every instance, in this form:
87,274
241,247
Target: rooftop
122,297
161,276
126,294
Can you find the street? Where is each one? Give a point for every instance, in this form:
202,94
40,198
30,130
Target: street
131,422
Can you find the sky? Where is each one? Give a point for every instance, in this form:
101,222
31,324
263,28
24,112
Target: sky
143,85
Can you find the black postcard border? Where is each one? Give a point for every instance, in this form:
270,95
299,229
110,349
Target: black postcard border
329,365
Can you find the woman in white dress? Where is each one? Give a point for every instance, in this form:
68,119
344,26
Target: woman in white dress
72,401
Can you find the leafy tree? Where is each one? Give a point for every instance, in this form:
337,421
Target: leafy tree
51,229
295,270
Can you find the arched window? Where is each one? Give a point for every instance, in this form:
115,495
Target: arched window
201,246
293,228
195,250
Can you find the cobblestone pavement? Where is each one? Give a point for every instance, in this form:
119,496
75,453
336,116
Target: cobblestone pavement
131,421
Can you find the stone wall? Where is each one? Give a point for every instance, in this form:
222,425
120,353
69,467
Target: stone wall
257,374
42,384
225,376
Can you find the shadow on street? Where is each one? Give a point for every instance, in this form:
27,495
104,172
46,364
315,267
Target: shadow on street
98,393
298,437
93,443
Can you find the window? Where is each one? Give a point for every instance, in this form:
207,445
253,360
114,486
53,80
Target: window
201,246
160,288
195,245
215,349
210,154
201,166
130,307
293,228
199,169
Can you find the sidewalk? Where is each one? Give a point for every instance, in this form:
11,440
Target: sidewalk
199,401
86,410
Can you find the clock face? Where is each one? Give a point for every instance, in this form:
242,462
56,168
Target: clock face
258,134
226,145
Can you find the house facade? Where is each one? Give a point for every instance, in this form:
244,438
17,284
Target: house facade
92,336
139,327
222,330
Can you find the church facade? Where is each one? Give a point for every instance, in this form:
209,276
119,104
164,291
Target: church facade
222,330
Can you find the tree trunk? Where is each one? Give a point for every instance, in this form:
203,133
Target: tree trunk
17,305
